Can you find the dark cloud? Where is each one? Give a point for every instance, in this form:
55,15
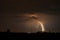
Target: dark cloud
18,6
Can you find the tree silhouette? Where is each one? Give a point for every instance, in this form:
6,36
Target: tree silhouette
8,30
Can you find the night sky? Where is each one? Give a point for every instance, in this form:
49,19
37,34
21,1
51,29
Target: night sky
14,13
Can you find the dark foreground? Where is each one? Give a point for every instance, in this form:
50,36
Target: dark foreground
41,35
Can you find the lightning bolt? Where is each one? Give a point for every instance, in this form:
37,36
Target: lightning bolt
42,26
